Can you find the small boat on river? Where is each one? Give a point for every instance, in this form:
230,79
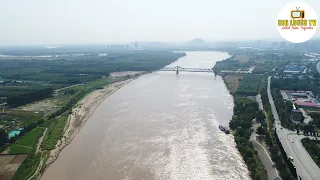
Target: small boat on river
224,129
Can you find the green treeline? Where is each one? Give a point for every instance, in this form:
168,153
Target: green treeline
284,109
316,119
249,85
74,70
244,112
29,97
296,84
313,148
3,138
276,150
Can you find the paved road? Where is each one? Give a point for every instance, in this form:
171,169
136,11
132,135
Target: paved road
266,161
306,167
263,154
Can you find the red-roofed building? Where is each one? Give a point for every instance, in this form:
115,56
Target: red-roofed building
306,104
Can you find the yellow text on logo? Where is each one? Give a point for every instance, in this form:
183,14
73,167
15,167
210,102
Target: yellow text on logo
297,22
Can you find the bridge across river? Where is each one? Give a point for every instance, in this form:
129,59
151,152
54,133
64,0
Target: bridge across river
178,68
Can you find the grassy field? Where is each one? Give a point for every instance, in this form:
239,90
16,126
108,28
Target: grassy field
28,167
27,143
55,132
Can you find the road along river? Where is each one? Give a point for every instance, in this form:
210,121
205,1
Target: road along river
159,126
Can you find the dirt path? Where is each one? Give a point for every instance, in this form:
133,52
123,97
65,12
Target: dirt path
38,150
24,146
35,174
40,141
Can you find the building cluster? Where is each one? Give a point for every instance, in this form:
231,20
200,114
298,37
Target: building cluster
301,100
295,68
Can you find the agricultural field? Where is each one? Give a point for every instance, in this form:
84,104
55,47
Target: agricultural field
9,164
249,85
232,82
26,143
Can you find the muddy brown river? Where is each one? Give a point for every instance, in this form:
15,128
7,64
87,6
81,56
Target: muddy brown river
160,126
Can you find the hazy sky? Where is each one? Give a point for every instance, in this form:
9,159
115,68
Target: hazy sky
110,21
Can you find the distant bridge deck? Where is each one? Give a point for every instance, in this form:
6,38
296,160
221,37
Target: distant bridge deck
178,68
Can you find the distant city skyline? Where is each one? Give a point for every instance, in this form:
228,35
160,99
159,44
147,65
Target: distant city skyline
122,21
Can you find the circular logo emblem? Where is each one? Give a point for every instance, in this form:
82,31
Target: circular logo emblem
297,22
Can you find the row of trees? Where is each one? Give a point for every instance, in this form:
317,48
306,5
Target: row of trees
297,84
284,109
29,97
3,138
244,112
277,155
313,148
249,85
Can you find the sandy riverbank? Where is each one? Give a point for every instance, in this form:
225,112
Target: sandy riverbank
81,113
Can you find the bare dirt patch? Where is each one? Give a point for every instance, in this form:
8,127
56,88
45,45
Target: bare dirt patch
232,82
44,106
9,164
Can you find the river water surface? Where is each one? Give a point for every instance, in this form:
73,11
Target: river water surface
160,126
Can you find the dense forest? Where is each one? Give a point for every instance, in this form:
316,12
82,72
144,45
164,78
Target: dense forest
26,98
73,70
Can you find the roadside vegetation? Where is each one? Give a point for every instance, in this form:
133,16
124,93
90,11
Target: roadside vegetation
284,109
278,156
313,148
